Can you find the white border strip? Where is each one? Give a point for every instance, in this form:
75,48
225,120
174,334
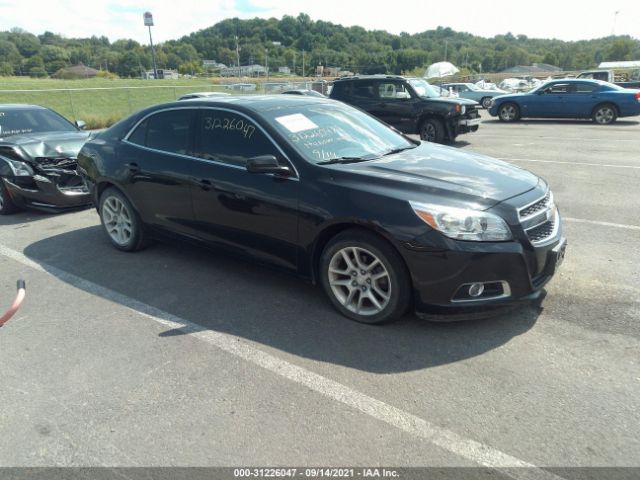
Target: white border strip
472,450
634,167
603,224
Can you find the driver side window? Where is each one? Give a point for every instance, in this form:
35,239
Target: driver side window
393,91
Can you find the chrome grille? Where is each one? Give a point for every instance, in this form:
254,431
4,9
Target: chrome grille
536,207
541,232
540,219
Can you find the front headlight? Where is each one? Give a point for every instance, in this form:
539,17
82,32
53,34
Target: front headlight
463,224
20,169
463,109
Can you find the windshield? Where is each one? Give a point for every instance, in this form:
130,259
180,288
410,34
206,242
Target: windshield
324,132
21,121
423,88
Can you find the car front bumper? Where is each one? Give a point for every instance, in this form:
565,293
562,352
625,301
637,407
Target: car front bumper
510,273
42,193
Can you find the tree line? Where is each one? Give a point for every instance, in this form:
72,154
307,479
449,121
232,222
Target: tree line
286,41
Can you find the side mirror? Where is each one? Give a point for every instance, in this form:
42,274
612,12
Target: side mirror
81,124
267,164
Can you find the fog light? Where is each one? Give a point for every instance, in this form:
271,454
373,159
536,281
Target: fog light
476,289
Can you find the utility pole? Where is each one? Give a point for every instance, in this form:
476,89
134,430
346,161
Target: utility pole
294,64
446,45
148,22
302,63
266,62
238,56
615,16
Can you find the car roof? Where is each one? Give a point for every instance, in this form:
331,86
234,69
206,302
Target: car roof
370,77
21,106
257,103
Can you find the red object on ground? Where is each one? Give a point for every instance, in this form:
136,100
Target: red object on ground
16,303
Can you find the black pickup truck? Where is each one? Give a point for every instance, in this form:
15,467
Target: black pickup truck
411,105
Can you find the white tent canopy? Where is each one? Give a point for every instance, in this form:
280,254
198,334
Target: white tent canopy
440,69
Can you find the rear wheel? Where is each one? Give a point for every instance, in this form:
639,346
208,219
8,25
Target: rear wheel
365,278
605,114
7,206
121,222
432,130
486,102
509,112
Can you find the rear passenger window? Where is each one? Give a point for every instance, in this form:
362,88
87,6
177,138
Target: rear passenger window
139,135
230,138
363,91
586,88
169,131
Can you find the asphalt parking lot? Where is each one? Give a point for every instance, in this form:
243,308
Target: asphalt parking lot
177,356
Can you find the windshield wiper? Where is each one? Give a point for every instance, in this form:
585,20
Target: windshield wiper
343,160
398,150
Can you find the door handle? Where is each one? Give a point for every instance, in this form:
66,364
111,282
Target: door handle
204,184
133,167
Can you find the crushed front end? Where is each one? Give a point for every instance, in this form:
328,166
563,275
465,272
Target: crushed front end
43,183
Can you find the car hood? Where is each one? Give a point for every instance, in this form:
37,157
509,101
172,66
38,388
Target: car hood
511,95
48,144
437,170
452,100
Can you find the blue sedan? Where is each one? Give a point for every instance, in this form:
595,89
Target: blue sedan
603,102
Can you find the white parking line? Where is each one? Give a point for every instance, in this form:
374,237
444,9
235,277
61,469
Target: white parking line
469,449
608,165
545,137
603,224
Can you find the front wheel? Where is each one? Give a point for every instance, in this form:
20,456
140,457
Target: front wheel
605,114
365,278
7,206
120,221
432,130
509,112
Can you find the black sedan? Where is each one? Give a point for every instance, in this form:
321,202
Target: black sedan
317,187
38,149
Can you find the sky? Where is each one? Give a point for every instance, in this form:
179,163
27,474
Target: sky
116,19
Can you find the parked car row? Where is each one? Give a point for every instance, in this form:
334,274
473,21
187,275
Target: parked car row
315,186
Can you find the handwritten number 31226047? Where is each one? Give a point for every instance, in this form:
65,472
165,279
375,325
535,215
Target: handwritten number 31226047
230,124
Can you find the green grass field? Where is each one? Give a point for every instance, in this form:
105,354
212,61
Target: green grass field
113,100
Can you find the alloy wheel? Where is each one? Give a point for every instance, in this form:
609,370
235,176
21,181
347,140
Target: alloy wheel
605,115
359,281
117,220
508,113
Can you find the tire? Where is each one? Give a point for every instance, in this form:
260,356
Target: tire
121,222
7,207
432,130
365,278
509,112
604,114
486,102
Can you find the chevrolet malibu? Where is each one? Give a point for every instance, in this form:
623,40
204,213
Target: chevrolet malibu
384,223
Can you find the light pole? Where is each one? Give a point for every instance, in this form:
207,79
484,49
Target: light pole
446,44
238,56
148,22
615,17
266,62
